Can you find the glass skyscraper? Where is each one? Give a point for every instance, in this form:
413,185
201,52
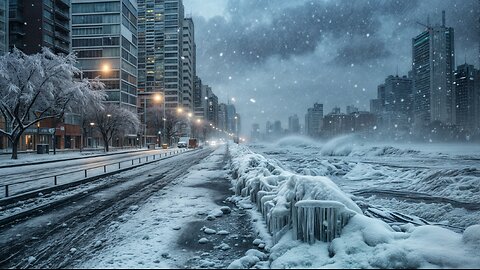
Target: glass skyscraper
160,32
433,63
104,36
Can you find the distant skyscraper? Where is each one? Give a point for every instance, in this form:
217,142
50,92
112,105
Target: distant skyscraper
34,24
222,116
433,59
198,98
189,62
351,109
398,95
277,128
104,36
3,26
381,95
294,124
255,135
467,97
376,106
313,120
212,108
231,112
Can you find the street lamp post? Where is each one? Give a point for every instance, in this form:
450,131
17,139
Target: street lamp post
91,133
156,99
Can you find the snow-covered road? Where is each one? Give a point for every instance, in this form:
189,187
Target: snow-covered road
68,170
174,213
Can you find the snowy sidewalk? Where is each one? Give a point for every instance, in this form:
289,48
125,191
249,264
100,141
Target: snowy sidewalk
186,225
34,158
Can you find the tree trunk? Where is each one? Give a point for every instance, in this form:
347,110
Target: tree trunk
15,142
105,143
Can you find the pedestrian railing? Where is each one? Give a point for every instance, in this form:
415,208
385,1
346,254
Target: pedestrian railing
76,175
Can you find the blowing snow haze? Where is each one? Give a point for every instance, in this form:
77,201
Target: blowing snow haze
286,55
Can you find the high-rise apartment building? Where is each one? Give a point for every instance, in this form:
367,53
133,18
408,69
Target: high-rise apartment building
222,116
104,36
34,24
198,98
231,112
189,62
433,62
313,120
398,94
467,97
293,124
160,54
212,108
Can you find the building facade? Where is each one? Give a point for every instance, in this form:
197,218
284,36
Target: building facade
433,56
313,120
293,124
467,97
160,53
34,24
104,36
3,27
189,63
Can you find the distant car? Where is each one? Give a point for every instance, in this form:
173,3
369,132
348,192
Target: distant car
182,144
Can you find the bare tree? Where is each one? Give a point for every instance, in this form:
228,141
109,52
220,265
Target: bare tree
113,120
38,87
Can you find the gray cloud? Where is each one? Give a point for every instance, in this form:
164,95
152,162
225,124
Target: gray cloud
289,54
291,31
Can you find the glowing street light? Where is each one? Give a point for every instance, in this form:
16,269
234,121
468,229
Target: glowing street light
106,68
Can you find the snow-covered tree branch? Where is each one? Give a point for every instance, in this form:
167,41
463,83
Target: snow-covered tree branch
113,120
38,87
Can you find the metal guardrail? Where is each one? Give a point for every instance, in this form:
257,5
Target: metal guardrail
55,177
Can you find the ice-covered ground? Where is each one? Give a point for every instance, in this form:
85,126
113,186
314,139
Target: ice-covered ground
437,182
304,170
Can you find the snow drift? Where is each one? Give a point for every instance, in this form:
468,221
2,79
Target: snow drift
285,200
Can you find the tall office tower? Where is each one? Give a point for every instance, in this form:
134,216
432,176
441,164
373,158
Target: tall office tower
212,109
381,95
189,62
3,26
198,98
160,28
255,134
104,36
231,111
222,116
313,120
34,24
398,94
293,124
238,123
467,97
433,59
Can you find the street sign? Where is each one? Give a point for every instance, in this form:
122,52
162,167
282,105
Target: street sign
51,130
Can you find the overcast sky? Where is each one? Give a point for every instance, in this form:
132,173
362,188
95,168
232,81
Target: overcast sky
278,57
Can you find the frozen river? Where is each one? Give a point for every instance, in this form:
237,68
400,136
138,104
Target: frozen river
439,183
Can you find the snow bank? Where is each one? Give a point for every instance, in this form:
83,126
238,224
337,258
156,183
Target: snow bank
364,242
276,191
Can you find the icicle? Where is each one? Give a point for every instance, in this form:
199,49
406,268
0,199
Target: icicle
319,220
